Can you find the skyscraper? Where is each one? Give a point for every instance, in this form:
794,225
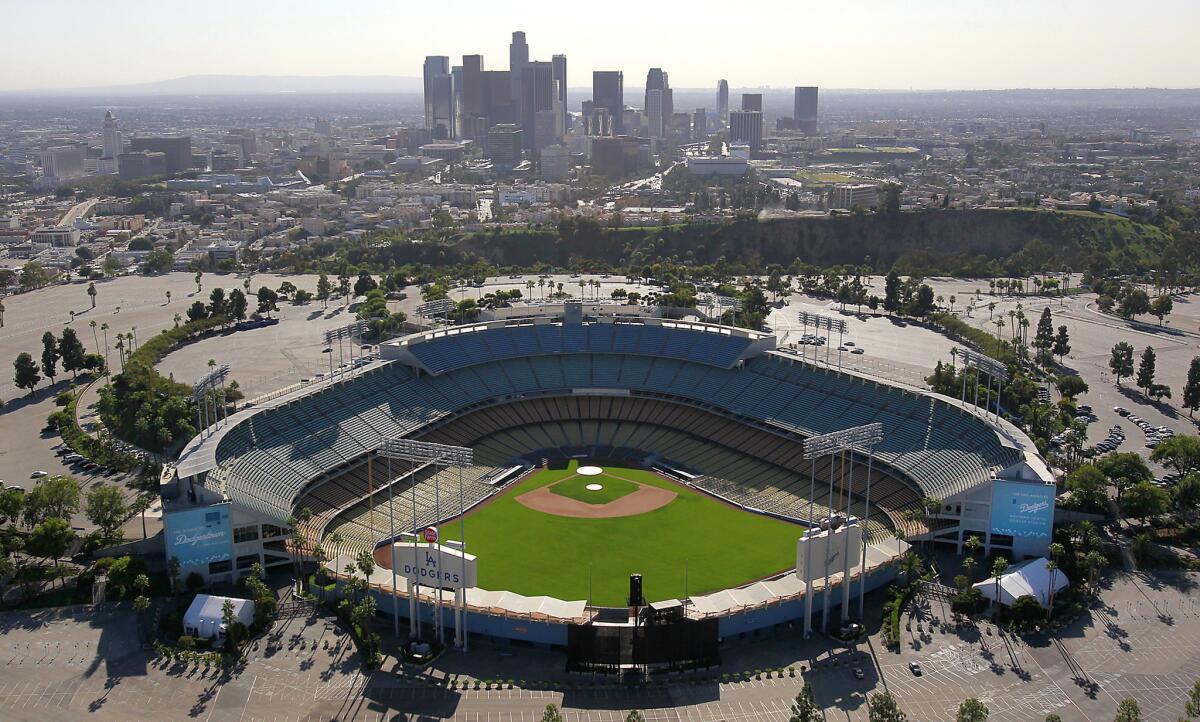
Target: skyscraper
608,92
538,94
752,101
112,137
746,126
439,97
656,80
805,110
518,57
700,125
560,79
723,101
473,106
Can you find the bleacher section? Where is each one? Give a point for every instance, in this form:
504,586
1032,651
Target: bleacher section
270,457
473,345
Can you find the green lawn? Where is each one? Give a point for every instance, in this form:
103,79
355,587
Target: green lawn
576,488
532,553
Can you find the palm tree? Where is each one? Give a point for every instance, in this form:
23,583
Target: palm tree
969,566
1056,552
529,288
999,328
168,296
95,338
199,275
991,310
1,314
998,567
542,288
104,328
121,350
91,291
177,319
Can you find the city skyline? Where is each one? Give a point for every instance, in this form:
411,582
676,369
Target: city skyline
931,45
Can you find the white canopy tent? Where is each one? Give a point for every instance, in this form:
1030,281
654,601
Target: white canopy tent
205,617
1029,578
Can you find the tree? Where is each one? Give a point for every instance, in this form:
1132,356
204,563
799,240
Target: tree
1124,469
1193,704
551,714
56,496
1088,486
1145,373
217,304
25,372
71,350
228,619
804,707
999,564
1043,338
324,288
49,356
1144,500
50,539
1128,711
1186,496
891,292
199,275
1191,390
635,716
158,261
91,292
1180,453
267,300
364,283
972,710
1161,307
12,501
237,305
33,276
1062,343
1070,386
923,304
197,311
1121,361
882,707
105,507
286,289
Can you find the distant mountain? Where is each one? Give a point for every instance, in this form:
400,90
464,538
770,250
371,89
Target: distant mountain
246,85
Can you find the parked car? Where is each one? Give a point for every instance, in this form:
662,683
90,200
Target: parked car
915,668
38,474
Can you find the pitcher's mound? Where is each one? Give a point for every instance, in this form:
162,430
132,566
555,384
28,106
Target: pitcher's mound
589,471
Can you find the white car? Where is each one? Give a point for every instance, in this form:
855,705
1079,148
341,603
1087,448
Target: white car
38,474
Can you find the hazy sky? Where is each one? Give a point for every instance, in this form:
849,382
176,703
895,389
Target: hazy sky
862,44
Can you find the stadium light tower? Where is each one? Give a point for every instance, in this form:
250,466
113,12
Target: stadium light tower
994,369
204,393
828,323
433,309
424,453
857,438
347,332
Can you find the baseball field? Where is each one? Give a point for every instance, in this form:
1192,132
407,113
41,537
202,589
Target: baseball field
555,533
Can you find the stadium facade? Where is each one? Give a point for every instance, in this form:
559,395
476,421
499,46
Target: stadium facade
721,409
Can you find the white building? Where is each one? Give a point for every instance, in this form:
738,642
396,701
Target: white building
850,195
113,143
555,163
55,236
718,165
62,162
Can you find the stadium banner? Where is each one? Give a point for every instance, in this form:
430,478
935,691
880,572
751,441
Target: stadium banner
827,554
434,565
1022,509
198,537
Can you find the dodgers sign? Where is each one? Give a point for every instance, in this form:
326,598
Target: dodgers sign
434,566
1022,509
199,536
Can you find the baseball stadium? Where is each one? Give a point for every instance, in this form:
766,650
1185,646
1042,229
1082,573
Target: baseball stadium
572,452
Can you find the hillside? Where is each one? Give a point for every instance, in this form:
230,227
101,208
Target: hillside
965,243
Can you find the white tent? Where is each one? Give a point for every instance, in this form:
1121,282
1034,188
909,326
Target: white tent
205,618
1030,578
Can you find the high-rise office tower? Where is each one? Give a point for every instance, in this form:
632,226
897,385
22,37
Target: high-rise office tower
746,126
472,107
439,97
654,113
700,125
608,92
538,94
752,101
518,57
656,80
560,79
723,101
456,80
499,105
805,110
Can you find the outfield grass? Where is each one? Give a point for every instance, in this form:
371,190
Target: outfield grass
576,488
529,552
